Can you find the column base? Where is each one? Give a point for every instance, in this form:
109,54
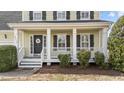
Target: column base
75,63
48,63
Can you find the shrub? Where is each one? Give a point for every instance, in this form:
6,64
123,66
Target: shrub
116,45
100,60
8,57
65,60
83,57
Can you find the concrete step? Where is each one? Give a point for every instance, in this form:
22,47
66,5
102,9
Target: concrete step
30,62
30,65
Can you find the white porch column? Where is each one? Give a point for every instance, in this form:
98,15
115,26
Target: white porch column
74,43
104,41
48,46
16,38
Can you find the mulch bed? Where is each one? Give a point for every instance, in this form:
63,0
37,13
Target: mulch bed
92,69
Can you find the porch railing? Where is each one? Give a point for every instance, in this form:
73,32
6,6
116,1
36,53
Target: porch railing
20,54
55,51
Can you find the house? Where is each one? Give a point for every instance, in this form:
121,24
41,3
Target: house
41,35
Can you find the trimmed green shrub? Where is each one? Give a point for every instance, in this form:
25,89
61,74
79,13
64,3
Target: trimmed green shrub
83,57
65,60
116,45
8,57
100,60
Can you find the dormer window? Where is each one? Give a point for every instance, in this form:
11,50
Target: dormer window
84,15
37,16
61,15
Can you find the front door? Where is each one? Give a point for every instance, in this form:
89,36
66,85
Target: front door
38,44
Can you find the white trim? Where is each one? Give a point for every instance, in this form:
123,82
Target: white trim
74,45
6,31
100,38
48,47
61,25
84,18
37,12
58,19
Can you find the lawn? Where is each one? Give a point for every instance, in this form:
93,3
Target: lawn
55,73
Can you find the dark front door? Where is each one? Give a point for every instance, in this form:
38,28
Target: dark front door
38,43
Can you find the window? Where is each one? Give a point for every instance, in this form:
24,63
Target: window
37,15
84,15
61,15
85,41
61,41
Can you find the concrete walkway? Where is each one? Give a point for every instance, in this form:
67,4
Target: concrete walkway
18,73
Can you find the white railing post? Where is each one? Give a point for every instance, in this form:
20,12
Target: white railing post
74,43
48,46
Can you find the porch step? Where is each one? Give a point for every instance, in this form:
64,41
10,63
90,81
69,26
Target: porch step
30,63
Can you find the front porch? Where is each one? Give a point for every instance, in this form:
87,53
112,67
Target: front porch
40,44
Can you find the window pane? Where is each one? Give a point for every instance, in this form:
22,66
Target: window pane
84,41
61,14
37,16
84,15
61,41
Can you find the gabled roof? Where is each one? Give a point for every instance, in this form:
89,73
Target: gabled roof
9,16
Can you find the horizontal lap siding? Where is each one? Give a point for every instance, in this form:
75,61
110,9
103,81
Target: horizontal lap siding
10,36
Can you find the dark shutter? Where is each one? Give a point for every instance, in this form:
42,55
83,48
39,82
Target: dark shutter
78,15
68,41
54,15
91,40
43,15
68,15
78,40
55,41
91,14
31,15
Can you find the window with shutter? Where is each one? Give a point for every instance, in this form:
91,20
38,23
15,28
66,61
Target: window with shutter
91,14
54,15
68,15
91,41
68,42
78,15
31,15
78,42
55,41
44,15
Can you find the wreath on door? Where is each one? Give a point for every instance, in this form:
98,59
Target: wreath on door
38,41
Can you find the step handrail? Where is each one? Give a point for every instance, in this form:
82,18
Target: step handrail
20,54
42,56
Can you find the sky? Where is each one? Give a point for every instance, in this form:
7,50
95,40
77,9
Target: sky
111,15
